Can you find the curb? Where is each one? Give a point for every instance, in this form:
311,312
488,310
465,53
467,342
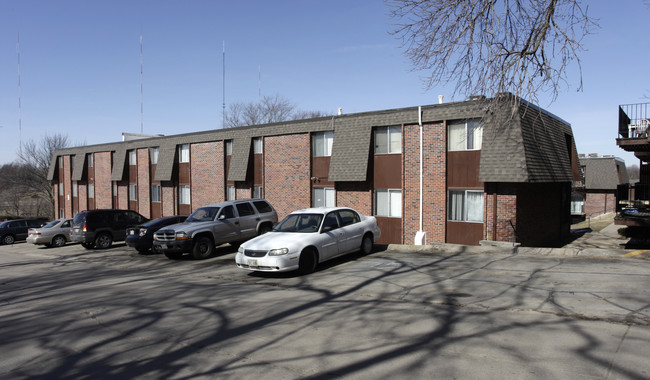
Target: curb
507,250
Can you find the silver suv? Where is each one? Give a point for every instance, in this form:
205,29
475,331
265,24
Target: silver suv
228,222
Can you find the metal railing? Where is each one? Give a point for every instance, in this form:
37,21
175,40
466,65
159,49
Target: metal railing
633,120
637,195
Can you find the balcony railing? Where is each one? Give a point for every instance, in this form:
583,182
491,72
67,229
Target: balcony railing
633,120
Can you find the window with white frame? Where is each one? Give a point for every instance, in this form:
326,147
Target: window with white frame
133,158
60,189
230,193
133,192
388,202
465,135
388,140
322,144
91,190
577,204
323,197
91,160
75,189
60,162
258,192
115,193
258,147
465,205
61,213
155,193
184,194
153,152
228,147
184,153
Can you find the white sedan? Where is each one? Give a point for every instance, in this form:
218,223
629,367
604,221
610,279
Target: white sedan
308,237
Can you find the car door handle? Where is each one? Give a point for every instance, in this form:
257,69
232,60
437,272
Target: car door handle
236,222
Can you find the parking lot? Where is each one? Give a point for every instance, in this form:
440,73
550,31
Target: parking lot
74,313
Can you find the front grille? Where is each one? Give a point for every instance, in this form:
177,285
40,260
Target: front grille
251,253
165,235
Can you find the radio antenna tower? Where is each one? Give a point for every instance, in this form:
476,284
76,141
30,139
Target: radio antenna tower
223,111
141,89
20,106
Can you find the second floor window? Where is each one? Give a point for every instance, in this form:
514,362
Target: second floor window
258,145
91,160
154,155
465,135
184,194
228,147
184,153
322,144
388,140
133,158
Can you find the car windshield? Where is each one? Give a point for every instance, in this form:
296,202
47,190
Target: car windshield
51,224
3,224
305,223
203,214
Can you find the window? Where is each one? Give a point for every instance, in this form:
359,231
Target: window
262,206
388,140
133,192
323,197
577,204
61,213
153,152
72,161
245,209
91,190
91,160
60,162
184,153
348,217
60,189
322,144
75,189
230,193
228,147
115,193
155,193
258,145
184,194
388,202
465,206
465,135
133,158
258,192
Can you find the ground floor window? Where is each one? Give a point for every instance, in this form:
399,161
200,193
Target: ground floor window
184,194
91,190
323,197
577,204
155,193
465,205
388,202
230,193
133,192
258,192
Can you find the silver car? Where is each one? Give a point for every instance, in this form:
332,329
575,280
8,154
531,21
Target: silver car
53,234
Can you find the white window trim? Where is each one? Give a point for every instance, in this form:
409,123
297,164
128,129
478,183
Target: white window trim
157,192
228,148
133,158
258,145
392,211
465,210
133,192
231,193
328,142
184,153
479,126
327,191
390,130
154,153
184,190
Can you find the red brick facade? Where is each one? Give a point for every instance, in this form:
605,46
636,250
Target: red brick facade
599,203
207,175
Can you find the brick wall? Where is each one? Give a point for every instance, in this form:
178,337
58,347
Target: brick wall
434,184
497,220
144,184
168,198
67,186
287,172
207,175
103,184
599,203
356,195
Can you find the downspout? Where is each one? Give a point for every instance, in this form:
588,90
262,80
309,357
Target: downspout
421,236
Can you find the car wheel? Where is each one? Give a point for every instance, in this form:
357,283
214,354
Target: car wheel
88,245
265,228
308,261
173,256
103,241
203,248
366,244
8,239
58,241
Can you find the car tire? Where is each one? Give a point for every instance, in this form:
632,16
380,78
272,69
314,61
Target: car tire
103,241
173,256
90,245
58,241
366,244
308,261
8,239
203,248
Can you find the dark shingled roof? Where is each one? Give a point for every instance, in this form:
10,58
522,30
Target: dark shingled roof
524,145
604,173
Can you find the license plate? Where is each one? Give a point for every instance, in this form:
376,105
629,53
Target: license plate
163,246
252,263
131,232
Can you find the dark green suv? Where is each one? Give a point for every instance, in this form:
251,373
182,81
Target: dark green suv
100,228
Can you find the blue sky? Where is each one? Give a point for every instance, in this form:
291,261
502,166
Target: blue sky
80,66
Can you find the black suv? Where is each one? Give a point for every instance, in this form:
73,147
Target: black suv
100,228
16,229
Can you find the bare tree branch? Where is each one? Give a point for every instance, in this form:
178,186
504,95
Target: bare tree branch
271,109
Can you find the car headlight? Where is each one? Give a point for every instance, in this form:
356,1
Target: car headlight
278,252
181,235
240,249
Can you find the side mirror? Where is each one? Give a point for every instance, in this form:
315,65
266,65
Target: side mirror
327,229
222,217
